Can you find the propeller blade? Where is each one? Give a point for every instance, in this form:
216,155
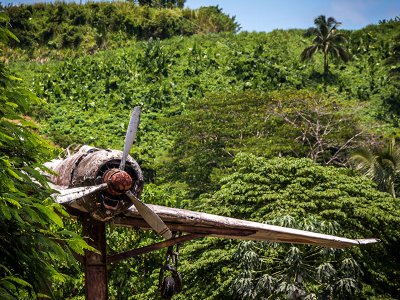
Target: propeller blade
130,135
150,217
69,195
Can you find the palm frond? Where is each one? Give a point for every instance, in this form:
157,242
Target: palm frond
331,22
308,53
318,40
363,160
343,54
339,52
338,38
319,20
382,166
311,31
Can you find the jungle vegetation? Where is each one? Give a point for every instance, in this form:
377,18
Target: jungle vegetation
36,247
233,123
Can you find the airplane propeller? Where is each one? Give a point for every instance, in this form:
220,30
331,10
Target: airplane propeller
117,182
148,215
130,135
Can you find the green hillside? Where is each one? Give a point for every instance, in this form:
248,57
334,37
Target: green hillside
234,124
63,29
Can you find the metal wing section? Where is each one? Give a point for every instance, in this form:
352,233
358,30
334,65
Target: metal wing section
68,196
224,227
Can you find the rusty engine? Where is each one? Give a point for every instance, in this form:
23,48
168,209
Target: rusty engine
92,166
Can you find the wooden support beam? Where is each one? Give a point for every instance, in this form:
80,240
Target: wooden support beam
95,263
138,251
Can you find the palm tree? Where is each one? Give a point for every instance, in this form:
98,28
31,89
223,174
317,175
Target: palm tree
382,166
328,40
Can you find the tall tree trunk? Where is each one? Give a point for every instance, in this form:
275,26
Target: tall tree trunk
392,190
326,67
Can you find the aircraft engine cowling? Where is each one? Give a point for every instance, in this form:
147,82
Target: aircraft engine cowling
91,166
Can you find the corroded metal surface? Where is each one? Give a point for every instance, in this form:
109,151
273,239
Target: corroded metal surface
146,249
224,227
198,222
87,167
118,181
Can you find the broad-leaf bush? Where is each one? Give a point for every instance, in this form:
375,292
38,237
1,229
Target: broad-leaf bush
263,189
34,246
54,27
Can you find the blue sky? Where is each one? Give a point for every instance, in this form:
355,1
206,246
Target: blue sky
267,15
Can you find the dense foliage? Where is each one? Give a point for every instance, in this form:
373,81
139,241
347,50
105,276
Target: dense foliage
296,271
89,99
206,99
211,131
265,190
34,246
45,28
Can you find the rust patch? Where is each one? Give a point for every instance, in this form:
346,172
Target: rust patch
118,181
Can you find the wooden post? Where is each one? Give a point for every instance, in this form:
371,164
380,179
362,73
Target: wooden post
95,263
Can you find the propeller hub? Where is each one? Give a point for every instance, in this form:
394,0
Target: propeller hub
118,181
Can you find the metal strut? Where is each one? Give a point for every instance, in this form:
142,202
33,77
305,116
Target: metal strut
146,249
169,279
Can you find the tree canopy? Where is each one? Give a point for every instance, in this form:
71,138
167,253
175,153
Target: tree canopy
47,29
263,189
34,246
